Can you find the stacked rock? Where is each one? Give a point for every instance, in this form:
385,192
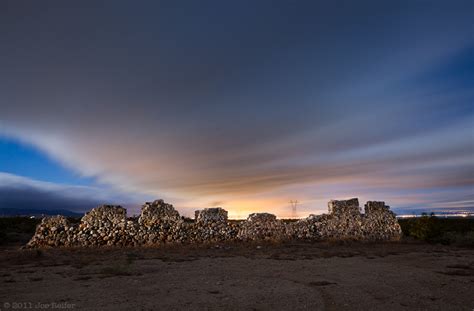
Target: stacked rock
306,229
343,222
52,231
211,225
380,223
346,222
215,214
104,214
106,225
162,223
343,207
156,213
262,226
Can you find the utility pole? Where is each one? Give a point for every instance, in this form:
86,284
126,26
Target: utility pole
293,204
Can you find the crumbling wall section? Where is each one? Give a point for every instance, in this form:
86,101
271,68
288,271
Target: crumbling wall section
380,223
52,232
345,221
160,223
212,225
262,226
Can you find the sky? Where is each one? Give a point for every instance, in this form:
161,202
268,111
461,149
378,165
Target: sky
241,104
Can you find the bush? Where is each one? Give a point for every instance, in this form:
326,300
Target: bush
432,229
17,229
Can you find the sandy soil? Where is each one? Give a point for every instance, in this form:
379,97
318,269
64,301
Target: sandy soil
290,276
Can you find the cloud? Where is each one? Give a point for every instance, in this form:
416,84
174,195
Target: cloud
197,107
24,193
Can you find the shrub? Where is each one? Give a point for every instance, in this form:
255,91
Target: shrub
17,229
439,230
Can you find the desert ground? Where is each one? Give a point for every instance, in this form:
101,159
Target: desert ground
241,276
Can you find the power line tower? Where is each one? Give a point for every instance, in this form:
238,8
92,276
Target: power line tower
293,204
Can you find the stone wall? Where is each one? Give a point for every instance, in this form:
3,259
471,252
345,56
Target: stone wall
345,221
262,226
160,223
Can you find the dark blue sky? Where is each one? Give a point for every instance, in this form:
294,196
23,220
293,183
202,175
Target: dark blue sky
245,105
27,161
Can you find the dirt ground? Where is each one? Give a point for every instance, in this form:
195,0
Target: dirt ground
256,276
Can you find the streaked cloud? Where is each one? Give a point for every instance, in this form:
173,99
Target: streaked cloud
309,101
25,193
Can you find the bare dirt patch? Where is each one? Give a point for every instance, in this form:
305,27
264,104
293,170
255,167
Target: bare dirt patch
249,276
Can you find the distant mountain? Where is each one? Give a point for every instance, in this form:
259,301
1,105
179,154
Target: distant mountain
10,212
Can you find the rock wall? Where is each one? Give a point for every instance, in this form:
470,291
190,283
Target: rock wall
160,223
262,226
345,221
157,213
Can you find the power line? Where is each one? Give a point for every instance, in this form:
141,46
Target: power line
293,204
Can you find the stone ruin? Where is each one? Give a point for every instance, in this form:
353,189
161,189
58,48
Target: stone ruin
215,214
345,221
262,226
159,223
156,213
